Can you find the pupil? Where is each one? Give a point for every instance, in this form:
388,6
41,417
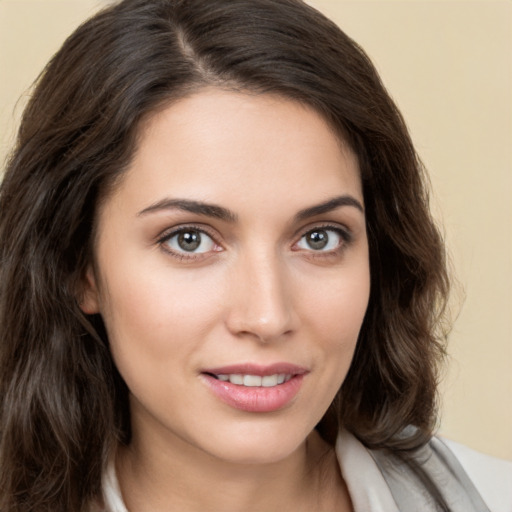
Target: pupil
318,239
189,240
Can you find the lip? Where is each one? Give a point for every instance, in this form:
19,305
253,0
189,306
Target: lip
255,399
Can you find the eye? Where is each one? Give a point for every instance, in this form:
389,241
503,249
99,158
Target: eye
189,240
321,239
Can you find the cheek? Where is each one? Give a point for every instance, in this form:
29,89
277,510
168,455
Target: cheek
339,306
336,313
155,314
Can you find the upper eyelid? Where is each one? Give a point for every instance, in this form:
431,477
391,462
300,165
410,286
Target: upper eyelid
334,226
184,256
207,230
170,232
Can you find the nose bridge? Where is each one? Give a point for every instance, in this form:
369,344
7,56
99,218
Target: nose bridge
262,305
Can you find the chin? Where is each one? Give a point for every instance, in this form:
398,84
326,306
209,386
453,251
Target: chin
257,444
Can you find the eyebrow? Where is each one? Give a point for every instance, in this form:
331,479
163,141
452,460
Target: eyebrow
219,212
329,206
188,205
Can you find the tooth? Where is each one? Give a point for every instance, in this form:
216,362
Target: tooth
269,381
236,378
252,380
255,380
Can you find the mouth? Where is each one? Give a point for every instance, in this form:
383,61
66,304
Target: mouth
253,381
253,388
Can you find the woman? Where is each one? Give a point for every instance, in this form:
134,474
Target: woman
221,285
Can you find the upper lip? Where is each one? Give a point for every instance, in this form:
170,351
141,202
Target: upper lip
257,369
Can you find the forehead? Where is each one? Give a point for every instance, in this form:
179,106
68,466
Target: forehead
217,145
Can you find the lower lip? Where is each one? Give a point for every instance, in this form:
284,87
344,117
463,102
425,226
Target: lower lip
255,399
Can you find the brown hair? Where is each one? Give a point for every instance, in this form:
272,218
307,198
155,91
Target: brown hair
63,404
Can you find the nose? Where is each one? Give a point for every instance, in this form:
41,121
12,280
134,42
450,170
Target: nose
261,305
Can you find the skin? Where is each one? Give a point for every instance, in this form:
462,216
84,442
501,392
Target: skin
254,291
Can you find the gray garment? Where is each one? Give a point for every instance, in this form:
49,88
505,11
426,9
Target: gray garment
429,480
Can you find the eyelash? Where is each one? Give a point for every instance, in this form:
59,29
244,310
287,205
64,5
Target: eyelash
168,235
345,235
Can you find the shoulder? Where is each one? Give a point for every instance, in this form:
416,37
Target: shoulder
491,476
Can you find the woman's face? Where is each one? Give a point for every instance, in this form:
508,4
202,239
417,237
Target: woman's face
232,275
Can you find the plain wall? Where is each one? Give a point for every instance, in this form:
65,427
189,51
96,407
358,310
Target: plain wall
448,66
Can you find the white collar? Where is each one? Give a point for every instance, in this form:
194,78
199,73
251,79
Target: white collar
112,499
368,490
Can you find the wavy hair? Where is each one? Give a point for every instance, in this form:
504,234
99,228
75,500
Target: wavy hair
63,405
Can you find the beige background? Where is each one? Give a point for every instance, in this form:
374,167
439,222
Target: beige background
448,64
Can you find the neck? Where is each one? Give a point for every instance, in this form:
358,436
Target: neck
156,480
